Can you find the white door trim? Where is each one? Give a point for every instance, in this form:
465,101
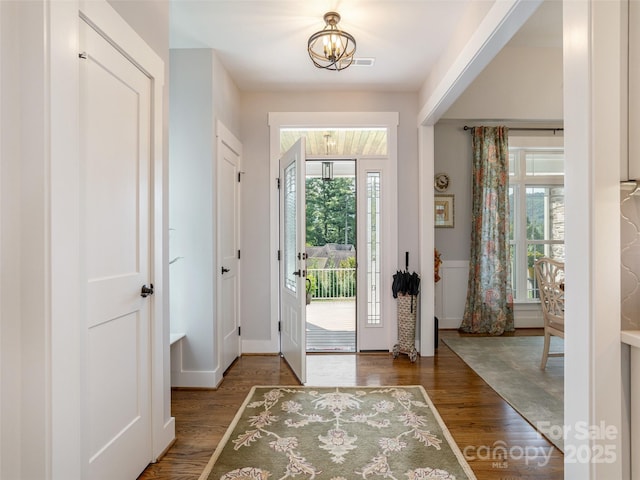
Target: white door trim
278,120
224,136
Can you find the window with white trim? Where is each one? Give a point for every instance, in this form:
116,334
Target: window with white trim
536,205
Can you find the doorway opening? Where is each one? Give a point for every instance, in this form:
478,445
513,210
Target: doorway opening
368,141
330,204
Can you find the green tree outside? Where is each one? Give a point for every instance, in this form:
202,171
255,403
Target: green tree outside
331,218
330,209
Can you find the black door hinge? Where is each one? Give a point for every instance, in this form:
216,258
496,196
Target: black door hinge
278,255
238,330
279,325
238,254
278,183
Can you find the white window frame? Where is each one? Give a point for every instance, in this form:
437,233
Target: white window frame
519,146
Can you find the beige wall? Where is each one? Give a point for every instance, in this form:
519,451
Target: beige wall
520,83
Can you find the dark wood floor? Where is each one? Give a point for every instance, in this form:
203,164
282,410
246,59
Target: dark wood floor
481,423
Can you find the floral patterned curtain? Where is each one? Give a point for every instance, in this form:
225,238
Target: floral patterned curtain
489,306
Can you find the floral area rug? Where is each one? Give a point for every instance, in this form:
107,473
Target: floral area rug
337,433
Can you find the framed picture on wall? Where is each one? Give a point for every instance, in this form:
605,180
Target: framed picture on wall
444,211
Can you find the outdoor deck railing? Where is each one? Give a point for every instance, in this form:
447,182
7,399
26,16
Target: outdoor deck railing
329,283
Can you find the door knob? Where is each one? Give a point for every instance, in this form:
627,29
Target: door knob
225,270
146,291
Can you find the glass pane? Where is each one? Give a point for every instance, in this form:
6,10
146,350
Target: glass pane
513,207
556,213
290,221
514,269
373,248
544,162
545,213
512,163
545,229
534,252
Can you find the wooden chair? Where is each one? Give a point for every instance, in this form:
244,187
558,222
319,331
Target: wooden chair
550,276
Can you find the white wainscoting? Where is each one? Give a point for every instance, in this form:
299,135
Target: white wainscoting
451,293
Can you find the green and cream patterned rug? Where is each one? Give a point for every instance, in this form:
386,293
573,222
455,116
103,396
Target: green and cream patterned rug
337,433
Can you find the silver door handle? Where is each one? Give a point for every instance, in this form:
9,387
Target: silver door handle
146,291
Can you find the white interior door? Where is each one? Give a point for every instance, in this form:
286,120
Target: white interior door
293,259
115,149
228,245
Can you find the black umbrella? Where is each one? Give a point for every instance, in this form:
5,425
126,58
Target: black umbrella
405,283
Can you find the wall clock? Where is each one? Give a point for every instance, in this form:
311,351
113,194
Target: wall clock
441,182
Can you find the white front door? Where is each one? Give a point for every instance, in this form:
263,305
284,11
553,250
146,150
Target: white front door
115,149
293,259
229,150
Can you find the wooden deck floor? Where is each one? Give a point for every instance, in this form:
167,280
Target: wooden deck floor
478,419
331,326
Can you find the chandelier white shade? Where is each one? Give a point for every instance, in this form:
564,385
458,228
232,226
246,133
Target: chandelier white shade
331,48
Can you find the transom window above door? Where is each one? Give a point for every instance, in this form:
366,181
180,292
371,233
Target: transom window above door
344,142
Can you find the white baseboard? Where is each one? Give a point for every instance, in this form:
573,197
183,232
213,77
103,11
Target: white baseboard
196,379
267,347
528,315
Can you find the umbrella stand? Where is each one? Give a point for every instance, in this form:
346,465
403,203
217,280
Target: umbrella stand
406,327
406,287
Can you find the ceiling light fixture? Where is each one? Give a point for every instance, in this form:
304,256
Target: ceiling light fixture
329,143
331,48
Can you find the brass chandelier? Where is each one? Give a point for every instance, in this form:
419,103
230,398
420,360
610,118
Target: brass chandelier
331,48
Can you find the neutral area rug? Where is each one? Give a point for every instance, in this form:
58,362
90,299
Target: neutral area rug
337,433
511,366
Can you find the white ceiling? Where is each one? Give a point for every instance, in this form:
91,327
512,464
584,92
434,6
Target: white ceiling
262,43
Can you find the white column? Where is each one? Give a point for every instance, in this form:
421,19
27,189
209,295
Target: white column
425,215
593,106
